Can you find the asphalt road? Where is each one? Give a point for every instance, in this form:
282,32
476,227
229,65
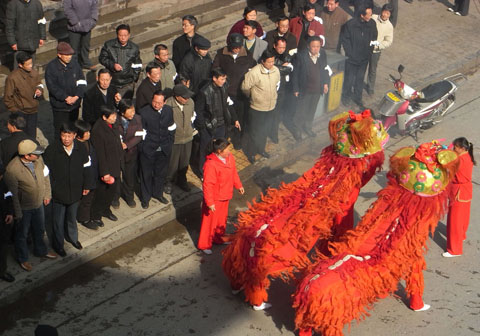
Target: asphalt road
159,284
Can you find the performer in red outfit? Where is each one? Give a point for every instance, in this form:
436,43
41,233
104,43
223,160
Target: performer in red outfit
219,178
460,199
387,245
275,236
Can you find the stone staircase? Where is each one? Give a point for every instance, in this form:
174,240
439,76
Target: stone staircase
151,22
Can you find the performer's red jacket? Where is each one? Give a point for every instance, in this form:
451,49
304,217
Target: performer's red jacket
219,179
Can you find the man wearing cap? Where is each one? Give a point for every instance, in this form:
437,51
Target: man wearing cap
282,24
157,120
122,57
168,69
254,45
25,26
23,89
197,63
148,86
67,159
28,179
66,86
184,117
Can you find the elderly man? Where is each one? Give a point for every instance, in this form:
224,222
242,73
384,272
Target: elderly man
66,86
167,67
254,45
385,40
157,120
122,57
102,94
334,17
261,85
28,179
148,86
23,88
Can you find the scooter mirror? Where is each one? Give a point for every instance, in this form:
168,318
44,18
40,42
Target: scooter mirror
401,68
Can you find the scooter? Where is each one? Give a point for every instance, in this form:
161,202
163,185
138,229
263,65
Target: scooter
412,110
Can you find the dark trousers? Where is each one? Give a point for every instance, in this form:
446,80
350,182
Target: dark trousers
258,122
286,105
126,91
64,219
178,165
353,83
32,220
306,110
126,188
153,174
394,15
372,70
85,207
31,119
238,137
103,199
462,6
205,139
5,235
60,117
80,42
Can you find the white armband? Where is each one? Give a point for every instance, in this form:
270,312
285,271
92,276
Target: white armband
8,194
136,65
292,52
330,72
143,133
175,76
89,163
323,40
287,78
81,82
42,21
318,19
194,116
172,127
46,171
40,86
229,101
278,85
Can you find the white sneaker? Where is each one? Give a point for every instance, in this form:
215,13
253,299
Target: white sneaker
450,9
458,13
207,251
449,255
236,291
424,308
263,306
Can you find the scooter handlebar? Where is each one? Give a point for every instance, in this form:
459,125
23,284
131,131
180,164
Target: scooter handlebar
393,79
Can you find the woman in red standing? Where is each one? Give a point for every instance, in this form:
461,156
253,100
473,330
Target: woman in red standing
461,196
220,176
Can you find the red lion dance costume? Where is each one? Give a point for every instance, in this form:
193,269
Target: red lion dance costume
387,245
274,236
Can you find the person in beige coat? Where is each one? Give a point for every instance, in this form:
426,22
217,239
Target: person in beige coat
261,84
28,179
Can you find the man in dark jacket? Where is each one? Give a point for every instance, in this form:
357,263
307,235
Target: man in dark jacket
129,125
23,89
102,94
148,86
310,81
214,113
168,69
283,23
183,44
122,57
9,145
108,147
157,120
197,63
358,38
6,223
66,86
234,60
82,16
67,160
25,26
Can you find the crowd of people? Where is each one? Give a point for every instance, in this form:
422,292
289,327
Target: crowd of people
119,133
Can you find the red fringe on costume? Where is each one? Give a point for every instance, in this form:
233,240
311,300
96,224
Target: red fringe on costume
367,262
274,236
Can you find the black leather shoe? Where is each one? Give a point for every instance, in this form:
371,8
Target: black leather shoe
145,205
98,222
60,252
90,225
77,245
116,204
112,217
265,155
162,199
310,133
7,277
131,204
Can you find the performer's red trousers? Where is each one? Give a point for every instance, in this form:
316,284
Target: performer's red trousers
213,225
457,225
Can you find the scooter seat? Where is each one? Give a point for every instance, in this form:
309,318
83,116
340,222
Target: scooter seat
435,91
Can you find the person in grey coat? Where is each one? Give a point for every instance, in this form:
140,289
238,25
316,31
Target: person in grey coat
25,26
82,16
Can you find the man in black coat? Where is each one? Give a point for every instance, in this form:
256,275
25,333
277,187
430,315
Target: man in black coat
67,160
6,223
183,44
25,26
358,38
66,86
157,120
122,57
197,63
283,23
148,86
108,147
310,80
9,145
99,95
